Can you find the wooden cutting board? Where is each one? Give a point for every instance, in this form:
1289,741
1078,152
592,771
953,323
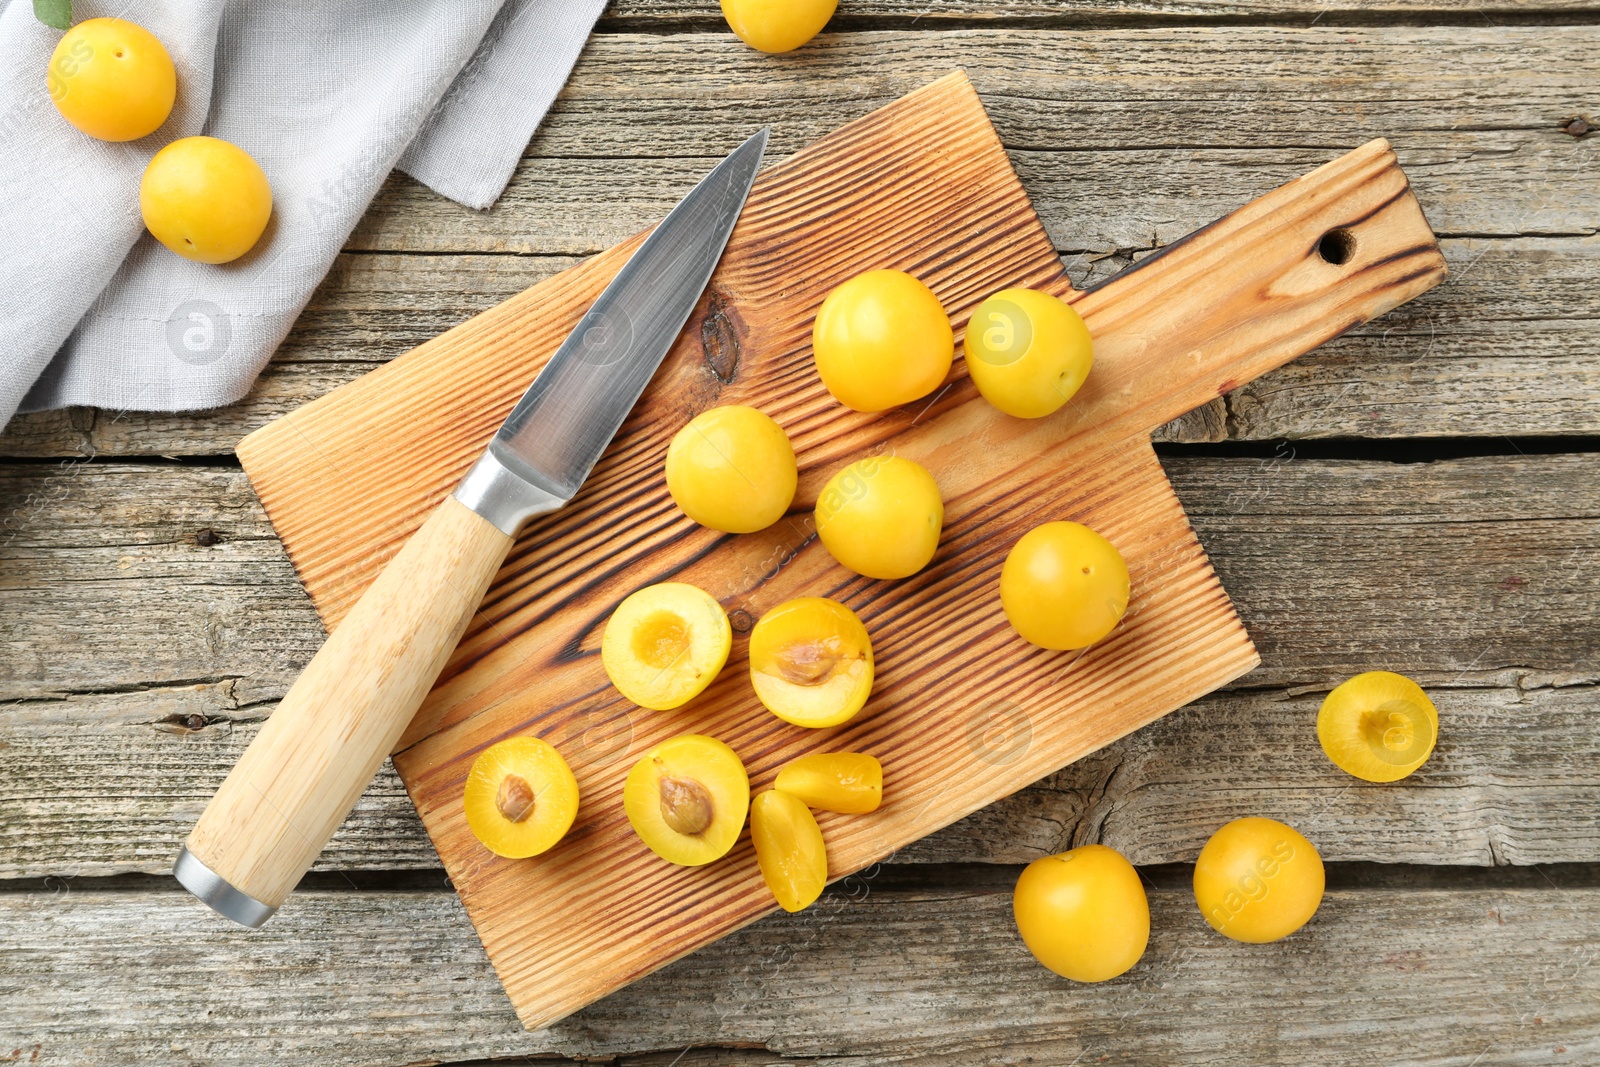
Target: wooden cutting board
964,712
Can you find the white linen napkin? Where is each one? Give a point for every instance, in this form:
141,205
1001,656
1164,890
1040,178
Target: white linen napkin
327,97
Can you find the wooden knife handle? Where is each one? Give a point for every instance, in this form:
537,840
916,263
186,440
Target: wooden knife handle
305,770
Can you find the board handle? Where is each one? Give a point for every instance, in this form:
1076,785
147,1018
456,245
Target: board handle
1326,252
309,764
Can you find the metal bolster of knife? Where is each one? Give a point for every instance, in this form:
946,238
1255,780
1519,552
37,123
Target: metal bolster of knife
505,492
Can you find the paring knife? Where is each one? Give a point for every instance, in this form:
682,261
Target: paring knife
305,770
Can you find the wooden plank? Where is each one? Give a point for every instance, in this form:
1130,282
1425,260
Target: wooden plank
1359,534
1503,169
105,783
97,534
93,541
1079,110
110,582
96,541
1511,782
1506,347
1096,12
1506,173
109,783
634,95
1496,183
1489,975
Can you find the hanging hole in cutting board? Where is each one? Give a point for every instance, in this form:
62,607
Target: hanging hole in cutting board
1337,246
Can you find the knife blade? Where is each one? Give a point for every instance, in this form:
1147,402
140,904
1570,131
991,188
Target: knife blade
562,424
310,762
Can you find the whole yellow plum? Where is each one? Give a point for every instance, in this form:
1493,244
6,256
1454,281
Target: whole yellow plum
112,79
882,339
777,25
205,199
1083,913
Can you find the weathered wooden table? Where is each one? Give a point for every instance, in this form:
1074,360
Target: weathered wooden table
1422,495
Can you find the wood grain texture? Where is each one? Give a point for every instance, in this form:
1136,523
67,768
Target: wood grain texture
601,911
114,585
1084,89
1096,12
1232,302
1507,348
103,769
99,609
1399,977
1513,782
1475,111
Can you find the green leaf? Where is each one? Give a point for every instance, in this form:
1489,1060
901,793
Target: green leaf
57,13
